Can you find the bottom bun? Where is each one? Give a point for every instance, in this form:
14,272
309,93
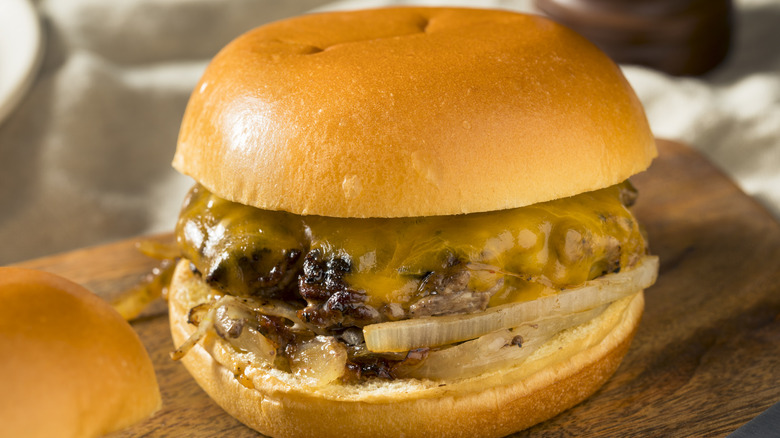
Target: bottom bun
563,372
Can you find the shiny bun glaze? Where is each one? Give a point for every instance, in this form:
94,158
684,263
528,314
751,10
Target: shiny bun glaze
411,112
71,366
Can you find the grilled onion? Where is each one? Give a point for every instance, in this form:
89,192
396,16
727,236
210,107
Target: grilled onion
436,331
205,323
497,349
235,322
319,361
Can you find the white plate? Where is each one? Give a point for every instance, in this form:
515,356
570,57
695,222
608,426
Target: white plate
21,50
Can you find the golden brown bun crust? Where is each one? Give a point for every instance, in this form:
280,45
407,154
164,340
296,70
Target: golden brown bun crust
495,404
70,365
411,112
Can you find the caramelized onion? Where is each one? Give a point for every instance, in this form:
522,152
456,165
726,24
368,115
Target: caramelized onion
205,323
442,330
253,342
286,311
236,323
319,361
497,349
233,321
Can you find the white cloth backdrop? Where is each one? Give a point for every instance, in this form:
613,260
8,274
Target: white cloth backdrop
85,159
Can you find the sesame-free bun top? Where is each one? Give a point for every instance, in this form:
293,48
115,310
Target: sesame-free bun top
411,112
70,366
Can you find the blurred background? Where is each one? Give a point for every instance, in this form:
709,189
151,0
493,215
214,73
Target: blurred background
92,93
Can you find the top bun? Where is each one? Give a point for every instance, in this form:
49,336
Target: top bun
411,112
70,365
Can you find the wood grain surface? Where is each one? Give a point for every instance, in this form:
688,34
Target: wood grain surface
705,360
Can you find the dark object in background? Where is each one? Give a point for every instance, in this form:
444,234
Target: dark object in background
679,37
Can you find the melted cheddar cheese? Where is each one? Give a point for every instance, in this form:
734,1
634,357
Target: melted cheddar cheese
518,254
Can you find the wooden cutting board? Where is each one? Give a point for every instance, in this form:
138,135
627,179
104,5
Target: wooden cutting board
705,360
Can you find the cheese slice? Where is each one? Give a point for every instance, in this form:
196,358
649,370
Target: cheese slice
518,254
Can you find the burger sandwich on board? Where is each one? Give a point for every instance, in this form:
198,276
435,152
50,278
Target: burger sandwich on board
408,222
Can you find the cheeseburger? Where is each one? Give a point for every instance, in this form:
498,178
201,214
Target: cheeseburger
408,222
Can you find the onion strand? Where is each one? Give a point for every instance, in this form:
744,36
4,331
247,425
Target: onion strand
497,349
435,331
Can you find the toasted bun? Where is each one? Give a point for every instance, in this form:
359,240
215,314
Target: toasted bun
562,373
70,365
411,112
